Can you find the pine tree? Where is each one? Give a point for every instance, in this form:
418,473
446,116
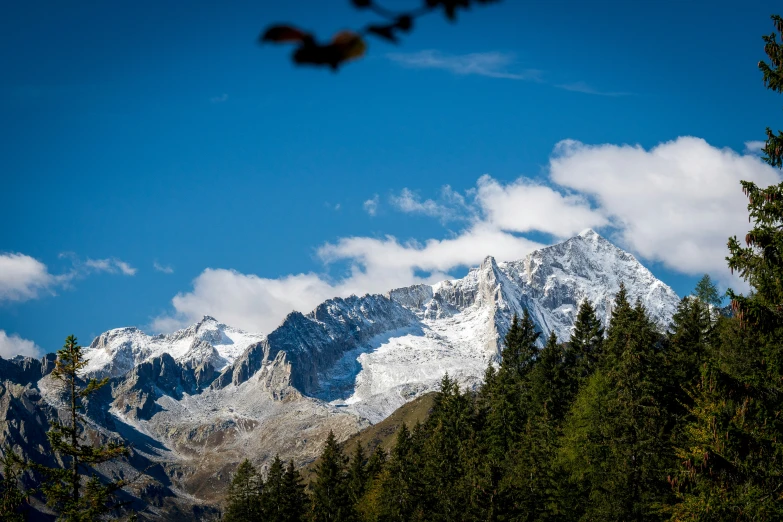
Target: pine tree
294,498
528,488
584,452
551,387
331,499
520,346
12,497
448,433
691,335
375,463
271,500
244,495
586,343
707,291
65,489
398,487
616,446
503,395
357,474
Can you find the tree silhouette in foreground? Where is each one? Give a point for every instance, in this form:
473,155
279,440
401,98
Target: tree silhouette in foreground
73,496
348,45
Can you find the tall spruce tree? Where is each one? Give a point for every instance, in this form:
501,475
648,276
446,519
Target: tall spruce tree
707,291
691,335
73,496
504,393
272,499
528,488
586,343
399,488
520,346
243,503
357,474
616,448
331,501
550,382
448,432
294,499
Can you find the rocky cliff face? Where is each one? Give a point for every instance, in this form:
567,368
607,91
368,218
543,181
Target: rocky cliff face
198,401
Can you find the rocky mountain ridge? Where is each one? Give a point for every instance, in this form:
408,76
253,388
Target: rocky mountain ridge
197,401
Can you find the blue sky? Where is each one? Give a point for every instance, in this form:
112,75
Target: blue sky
143,134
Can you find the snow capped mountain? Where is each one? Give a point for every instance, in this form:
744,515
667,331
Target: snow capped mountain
205,397
116,352
369,355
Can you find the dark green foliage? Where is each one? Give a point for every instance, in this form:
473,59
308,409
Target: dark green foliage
294,500
586,343
279,498
283,497
244,495
357,474
271,500
331,498
615,448
691,334
74,496
772,74
707,292
520,349
505,391
12,496
551,382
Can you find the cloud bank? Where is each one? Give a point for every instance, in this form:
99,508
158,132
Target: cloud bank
13,345
676,204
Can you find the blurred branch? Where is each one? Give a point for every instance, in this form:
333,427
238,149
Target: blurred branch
349,45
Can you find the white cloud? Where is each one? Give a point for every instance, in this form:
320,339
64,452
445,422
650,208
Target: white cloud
451,206
23,277
491,64
754,147
13,345
166,269
219,99
377,265
110,265
525,206
244,300
676,204
371,205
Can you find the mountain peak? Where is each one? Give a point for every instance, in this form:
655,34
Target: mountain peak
589,233
489,263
